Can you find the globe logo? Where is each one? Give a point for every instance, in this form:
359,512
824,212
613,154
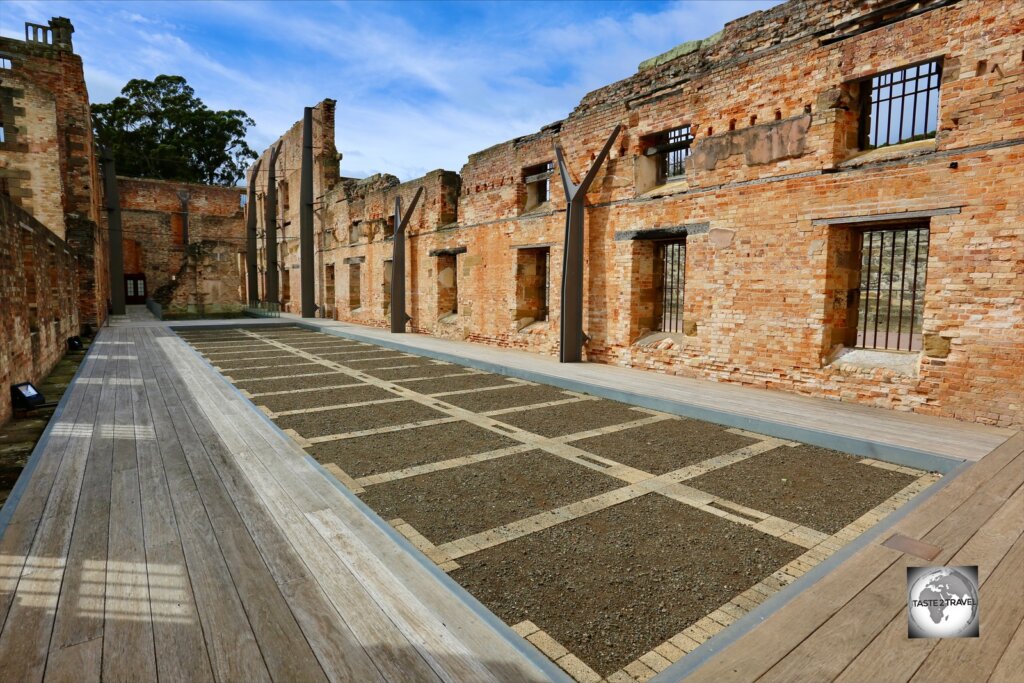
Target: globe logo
943,602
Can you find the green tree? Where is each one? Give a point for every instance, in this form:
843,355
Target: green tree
160,129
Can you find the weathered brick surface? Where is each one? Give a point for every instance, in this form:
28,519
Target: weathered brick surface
772,103
203,276
39,287
48,160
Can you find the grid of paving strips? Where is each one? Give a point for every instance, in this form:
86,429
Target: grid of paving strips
430,370
390,451
817,487
524,395
665,446
572,417
613,585
461,383
327,378
302,368
254,361
325,397
451,504
343,420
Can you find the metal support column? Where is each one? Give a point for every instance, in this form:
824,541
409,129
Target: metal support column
270,221
571,336
252,274
399,317
115,255
306,266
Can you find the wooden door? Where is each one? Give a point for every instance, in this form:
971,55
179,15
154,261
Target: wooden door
135,288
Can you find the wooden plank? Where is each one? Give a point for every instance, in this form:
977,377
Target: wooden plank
849,631
24,642
281,456
287,654
230,643
177,634
128,650
891,655
765,645
1012,662
80,663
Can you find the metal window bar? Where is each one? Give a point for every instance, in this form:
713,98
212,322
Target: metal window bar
544,284
674,161
894,264
903,105
672,256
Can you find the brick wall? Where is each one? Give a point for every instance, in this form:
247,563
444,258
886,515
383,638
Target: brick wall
200,276
774,193
48,160
39,288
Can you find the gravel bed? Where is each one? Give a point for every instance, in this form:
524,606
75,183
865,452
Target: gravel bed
344,420
452,504
477,381
301,368
374,362
572,417
817,487
323,379
431,370
664,446
326,397
506,398
246,354
378,453
615,584
257,362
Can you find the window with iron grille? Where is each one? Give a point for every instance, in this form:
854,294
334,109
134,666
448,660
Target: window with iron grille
669,150
670,279
901,105
894,263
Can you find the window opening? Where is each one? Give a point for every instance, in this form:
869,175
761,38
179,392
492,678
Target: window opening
902,105
894,264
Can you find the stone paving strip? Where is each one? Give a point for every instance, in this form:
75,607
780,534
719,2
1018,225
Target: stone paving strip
690,638
818,545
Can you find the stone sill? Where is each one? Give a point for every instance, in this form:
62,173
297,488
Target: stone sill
542,209
905,363
653,339
533,326
448,319
891,153
681,185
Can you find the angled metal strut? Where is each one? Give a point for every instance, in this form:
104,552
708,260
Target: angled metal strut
252,272
270,223
399,317
570,348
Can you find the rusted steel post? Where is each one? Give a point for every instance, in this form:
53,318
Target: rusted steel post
306,266
399,316
252,280
571,337
115,254
270,221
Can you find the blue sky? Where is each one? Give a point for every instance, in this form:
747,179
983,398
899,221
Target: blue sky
419,85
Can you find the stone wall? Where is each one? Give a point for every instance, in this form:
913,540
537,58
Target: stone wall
39,290
774,193
200,276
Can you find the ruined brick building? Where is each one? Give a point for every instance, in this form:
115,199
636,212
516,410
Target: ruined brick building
823,198
184,240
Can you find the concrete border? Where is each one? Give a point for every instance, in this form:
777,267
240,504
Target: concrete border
7,512
754,618
519,643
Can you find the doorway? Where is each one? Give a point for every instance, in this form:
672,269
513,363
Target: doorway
135,288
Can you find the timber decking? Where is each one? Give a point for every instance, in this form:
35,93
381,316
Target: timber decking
851,626
166,531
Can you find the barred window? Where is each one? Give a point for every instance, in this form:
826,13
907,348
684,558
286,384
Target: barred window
670,260
902,105
894,263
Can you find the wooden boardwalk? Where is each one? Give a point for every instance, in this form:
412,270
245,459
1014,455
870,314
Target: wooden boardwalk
165,531
851,626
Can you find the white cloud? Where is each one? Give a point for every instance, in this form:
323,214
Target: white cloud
415,91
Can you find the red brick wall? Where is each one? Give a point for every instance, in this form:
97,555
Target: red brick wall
773,103
201,276
39,288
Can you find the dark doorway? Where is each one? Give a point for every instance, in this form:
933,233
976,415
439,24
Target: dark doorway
135,288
